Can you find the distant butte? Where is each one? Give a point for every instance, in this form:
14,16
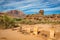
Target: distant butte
14,13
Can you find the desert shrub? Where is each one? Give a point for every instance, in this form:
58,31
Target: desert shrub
7,22
18,19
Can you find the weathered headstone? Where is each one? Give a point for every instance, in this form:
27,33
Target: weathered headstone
28,30
52,33
20,29
35,30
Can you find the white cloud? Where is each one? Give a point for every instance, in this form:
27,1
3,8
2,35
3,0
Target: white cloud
32,5
52,9
19,3
1,1
33,10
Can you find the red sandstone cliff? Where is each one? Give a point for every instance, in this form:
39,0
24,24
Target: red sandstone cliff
15,14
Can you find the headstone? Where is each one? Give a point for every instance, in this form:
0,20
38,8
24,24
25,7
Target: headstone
35,30
28,30
52,33
20,29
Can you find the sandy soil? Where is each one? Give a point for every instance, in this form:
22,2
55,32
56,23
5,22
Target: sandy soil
9,34
15,35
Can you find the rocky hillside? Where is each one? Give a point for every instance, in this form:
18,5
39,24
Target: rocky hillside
14,14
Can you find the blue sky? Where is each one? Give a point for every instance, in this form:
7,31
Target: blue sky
31,6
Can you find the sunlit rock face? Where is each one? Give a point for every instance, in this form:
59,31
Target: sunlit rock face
1,13
41,12
41,16
15,14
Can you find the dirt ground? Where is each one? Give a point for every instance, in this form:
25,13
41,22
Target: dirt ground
9,34
15,35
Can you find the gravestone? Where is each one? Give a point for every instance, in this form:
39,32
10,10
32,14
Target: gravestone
52,33
35,30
